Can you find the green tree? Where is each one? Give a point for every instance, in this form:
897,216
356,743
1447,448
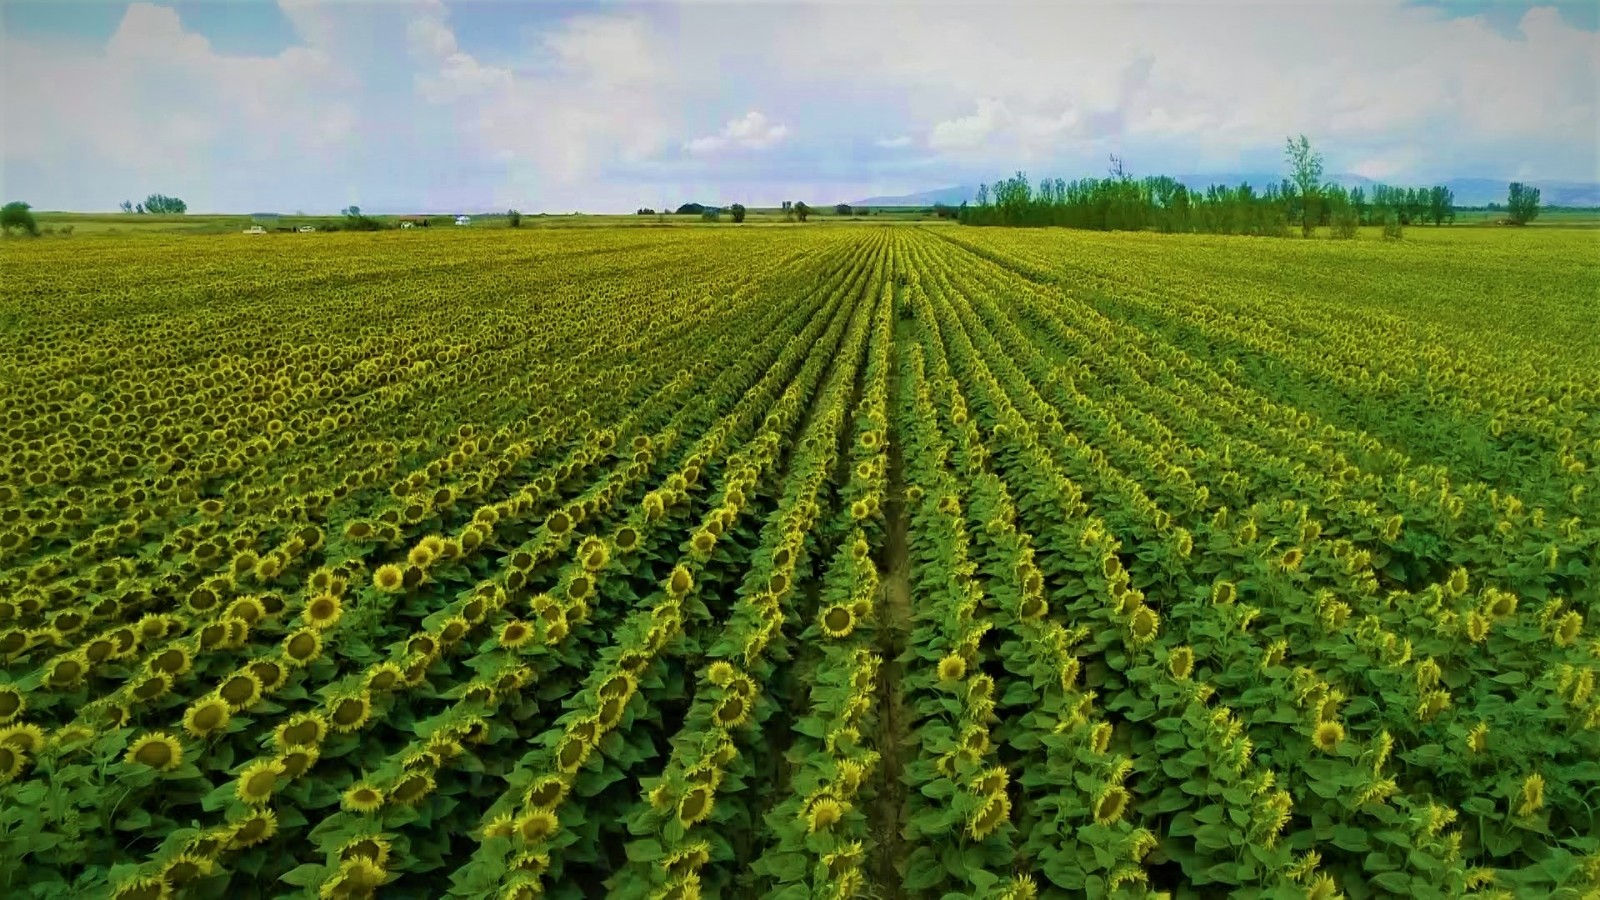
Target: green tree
842,209
1305,169
127,206
514,217
16,214
738,212
1441,204
1522,203
801,210
161,204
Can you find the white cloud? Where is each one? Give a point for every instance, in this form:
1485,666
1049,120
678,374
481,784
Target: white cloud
893,143
157,108
752,131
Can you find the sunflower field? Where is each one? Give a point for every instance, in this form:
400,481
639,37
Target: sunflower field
799,562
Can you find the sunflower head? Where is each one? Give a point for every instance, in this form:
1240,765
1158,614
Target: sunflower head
323,611
303,647
1180,662
257,827
1568,629
822,813
184,868
1223,593
1328,736
258,781
27,737
157,750
361,798
546,792
952,668
987,819
680,582
838,621
1111,803
389,578
515,634
1144,624
1531,795
12,762
732,712
349,713
536,826
411,788
696,804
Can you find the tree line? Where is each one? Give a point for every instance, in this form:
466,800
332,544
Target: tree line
157,204
1120,202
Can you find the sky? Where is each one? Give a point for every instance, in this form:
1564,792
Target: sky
607,106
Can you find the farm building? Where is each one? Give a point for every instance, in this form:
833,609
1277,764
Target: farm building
413,221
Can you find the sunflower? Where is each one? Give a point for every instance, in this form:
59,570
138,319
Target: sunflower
453,629
720,673
680,582
515,634
732,712
822,813
296,760
173,661
536,826
571,753
361,797
1531,795
303,647
1180,662
1110,804
1068,673
12,762
389,578
348,714
384,676
27,737
994,812
546,792
1477,627
157,750
257,827
1568,629
837,621
696,804
991,781
323,612
65,672
952,668
206,716
257,781
357,877
372,847
1328,736
1223,593
184,868
594,554
241,690
412,788
1143,625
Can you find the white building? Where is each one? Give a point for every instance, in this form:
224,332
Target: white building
463,220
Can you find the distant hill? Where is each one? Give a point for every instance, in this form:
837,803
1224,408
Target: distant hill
950,196
1468,191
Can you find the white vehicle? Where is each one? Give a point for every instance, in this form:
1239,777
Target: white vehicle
463,220
255,229
307,229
